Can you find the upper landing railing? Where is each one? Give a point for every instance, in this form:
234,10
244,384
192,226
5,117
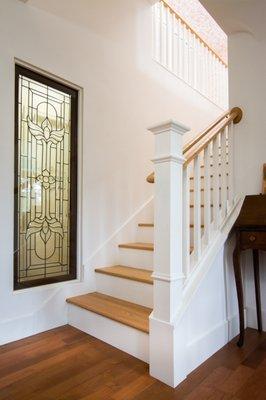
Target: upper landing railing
182,51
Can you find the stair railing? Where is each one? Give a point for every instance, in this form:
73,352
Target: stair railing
183,52
209,166
184,220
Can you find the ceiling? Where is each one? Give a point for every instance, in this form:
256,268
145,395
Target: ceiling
232,15
239,15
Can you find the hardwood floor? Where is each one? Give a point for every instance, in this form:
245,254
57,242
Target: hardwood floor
66,364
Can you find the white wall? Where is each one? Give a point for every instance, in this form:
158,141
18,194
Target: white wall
124,93
247,88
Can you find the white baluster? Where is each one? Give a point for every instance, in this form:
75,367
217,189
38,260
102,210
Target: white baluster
174,45
181,48
195,62
216,183
156,32
169,38
230,165
207,193
185,54
197,209
186,221
162,34
223,174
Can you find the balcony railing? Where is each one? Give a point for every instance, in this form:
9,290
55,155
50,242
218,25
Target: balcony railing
178,48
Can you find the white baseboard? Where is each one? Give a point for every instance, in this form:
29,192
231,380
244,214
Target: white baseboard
28,325
203,347
51,314
251,318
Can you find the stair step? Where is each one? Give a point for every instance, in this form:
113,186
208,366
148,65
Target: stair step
202,176
211,165
133,274
145,225
137,246
141,246
202,205
126,313
202,189
148,225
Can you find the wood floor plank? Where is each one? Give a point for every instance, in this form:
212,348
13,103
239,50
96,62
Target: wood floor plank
84,368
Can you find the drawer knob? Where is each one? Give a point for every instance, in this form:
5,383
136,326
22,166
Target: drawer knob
252,238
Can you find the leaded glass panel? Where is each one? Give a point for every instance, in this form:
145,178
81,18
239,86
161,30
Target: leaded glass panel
45,180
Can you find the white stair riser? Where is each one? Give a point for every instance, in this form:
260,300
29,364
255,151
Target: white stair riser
125,289
123,337
136,258
149,233
145,234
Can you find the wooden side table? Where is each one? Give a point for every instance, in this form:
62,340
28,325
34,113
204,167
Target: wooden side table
250,229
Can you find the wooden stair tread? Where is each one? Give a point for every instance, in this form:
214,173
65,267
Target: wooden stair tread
203,177
149,225
134,274
202,189
145,225
127,313
141,246
211,165
137,246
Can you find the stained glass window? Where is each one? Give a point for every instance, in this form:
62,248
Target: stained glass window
45,180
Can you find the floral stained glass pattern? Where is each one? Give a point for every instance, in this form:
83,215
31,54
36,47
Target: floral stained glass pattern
43,182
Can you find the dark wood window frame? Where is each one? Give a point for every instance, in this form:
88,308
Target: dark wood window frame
72,273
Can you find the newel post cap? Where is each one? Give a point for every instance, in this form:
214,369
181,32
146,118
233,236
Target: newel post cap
168,126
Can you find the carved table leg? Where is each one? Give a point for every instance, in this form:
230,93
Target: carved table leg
239,289
257,287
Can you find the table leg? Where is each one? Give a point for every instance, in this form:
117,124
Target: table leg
257,287
239,289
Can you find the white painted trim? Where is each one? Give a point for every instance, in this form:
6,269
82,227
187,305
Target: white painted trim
41,288
167,126
207,258
167,278
251,318
205,345
117,231
167,158
49,74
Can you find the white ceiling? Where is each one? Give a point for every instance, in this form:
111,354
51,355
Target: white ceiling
91,14
232,15
239,15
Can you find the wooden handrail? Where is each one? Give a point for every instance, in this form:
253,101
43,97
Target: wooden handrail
234,115
196,145
194,32
204,133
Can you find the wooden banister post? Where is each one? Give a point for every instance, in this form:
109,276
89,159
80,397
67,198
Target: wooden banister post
168,274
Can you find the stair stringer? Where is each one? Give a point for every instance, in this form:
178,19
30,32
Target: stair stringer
108,253
186,345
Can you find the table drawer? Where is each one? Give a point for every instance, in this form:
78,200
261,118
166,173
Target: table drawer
253,240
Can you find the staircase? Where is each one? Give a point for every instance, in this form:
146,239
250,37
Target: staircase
194,199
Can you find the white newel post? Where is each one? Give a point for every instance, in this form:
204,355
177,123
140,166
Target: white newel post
165,341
